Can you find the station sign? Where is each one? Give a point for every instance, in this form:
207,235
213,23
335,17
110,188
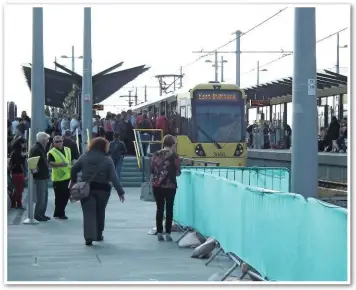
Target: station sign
98,107
260,103
213,95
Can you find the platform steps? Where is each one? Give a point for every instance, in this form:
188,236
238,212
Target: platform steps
131,175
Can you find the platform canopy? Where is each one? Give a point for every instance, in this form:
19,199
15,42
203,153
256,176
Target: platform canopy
59,84
329,82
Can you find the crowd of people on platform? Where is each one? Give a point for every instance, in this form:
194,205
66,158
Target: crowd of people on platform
334,138
61,162
267,136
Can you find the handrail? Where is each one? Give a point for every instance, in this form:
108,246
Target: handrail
137,150
200,161
138,143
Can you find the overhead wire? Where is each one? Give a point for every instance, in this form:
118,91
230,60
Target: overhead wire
222,46
242,34
288,54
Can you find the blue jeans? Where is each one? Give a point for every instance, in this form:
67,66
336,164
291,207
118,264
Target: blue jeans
118,166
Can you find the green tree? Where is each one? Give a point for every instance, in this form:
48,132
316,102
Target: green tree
69,104
47,111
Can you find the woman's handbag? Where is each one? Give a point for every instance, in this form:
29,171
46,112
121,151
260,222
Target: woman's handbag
81,190
147,192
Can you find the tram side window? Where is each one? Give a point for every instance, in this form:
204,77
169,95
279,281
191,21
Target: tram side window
183,120
174,107
189,124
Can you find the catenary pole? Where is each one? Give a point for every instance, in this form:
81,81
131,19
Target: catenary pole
304,166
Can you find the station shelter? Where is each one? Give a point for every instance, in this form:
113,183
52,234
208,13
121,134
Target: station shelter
272,101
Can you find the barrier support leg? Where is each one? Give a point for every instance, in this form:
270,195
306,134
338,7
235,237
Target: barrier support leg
183,235
233,268
181,228
218,251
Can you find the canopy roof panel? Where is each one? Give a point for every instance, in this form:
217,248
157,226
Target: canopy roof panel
283,87
59,84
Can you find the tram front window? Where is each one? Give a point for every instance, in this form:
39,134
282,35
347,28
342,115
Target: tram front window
222,123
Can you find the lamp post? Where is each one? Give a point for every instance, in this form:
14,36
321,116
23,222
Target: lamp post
258,80
340,103
216,66
222,68
338,53
73,58
258,72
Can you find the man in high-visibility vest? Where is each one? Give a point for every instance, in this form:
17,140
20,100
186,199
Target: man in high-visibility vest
60,159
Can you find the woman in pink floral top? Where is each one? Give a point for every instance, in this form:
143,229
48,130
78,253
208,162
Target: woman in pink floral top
165,168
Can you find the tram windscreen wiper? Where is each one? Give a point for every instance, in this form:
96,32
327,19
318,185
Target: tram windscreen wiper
217,145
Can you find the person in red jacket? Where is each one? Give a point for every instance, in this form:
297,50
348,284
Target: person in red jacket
162,123
139,119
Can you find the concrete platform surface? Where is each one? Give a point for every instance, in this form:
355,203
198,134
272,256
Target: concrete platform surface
55,250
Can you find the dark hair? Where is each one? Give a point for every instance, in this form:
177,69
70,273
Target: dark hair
67,133
144,116
168,141
116,135
98,144
17,144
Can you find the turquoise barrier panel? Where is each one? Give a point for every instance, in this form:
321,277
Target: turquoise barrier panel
326,239
183,213
272,232
273,178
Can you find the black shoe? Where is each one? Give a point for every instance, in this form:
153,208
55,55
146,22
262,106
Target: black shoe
47,218
41,219
88,242
18,205
63,217
101,238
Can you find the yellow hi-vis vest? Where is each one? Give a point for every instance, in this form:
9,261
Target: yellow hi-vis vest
61,173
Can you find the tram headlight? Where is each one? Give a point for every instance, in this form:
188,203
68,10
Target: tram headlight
239,150
199,150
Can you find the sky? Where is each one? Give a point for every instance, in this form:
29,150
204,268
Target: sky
164,37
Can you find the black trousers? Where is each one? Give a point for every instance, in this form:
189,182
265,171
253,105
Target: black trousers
94,208
164,196
62,194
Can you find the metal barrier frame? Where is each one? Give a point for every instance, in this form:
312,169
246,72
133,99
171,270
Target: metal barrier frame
237,261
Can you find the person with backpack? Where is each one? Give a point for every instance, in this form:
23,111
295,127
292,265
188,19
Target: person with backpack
117,151
165,167
108,127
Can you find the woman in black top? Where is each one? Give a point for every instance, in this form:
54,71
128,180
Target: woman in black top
17,170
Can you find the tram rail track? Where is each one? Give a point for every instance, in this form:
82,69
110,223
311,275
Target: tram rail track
333,192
